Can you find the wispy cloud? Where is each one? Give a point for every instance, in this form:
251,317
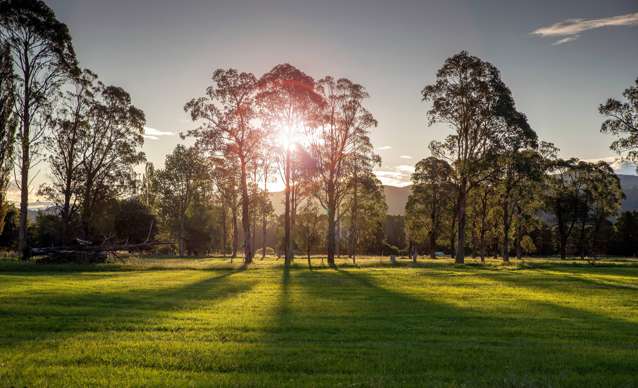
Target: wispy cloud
571,28
405,157
566,40
398,176
155,134
384,148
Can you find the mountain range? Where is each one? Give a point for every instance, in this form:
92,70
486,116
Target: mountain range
396,197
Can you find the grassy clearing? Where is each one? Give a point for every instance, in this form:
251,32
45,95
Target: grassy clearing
209,322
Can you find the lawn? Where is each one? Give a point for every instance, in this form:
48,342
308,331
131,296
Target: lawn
210,323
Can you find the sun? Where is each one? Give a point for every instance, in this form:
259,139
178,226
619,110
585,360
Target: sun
284,138
288,135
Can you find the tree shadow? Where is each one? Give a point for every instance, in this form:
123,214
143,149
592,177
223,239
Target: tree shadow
42,317
560,286
346,327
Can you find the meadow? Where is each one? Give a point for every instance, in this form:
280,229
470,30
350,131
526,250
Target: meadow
207,322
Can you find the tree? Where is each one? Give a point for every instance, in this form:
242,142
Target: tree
226,178
601,200
468,95
622,120
484,212
8,124
332,136
43,56
519,169
287,97
9,234
625,240
516,162
134,221
268,210
110,149
311,225
183,180
148,189
564,198
394,231
370,201
430,194
63,146
361,162
226,117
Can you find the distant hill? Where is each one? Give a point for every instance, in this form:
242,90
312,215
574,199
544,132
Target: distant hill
629,184
396,197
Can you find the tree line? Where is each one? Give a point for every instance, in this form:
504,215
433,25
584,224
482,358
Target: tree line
491,186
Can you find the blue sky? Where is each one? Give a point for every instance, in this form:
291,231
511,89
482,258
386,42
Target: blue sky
163,53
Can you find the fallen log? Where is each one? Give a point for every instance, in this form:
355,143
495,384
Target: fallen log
85,252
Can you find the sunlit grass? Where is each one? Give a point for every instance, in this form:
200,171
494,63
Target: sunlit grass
209,322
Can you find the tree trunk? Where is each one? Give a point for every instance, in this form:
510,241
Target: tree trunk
453,231
87,209
293,215
562,233
331,240
180,240
338,232
519,237
460,245
23,245
506,232
66,215
308,253
263,216
354,211
563,247
245,214
482,232
582,240
224,231
235,246
287,220
433,221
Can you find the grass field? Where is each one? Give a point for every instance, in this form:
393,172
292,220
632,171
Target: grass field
210,323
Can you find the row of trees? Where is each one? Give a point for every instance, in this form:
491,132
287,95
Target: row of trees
493,169
87,132
490,185
246,132
314,134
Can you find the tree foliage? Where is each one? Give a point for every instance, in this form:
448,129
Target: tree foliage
622,121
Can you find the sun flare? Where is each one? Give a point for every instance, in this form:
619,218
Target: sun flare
288,135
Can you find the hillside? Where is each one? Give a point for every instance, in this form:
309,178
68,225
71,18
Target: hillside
396,197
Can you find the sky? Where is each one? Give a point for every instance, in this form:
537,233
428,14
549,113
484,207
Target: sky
561,59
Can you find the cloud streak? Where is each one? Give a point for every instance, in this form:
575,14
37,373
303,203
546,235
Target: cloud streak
155,134
566,40
398,176
571,28
384,148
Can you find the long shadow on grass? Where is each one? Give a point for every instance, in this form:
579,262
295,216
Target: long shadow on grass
579,277
561,287
346,326
42,317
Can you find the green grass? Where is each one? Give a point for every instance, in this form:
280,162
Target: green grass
209,323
